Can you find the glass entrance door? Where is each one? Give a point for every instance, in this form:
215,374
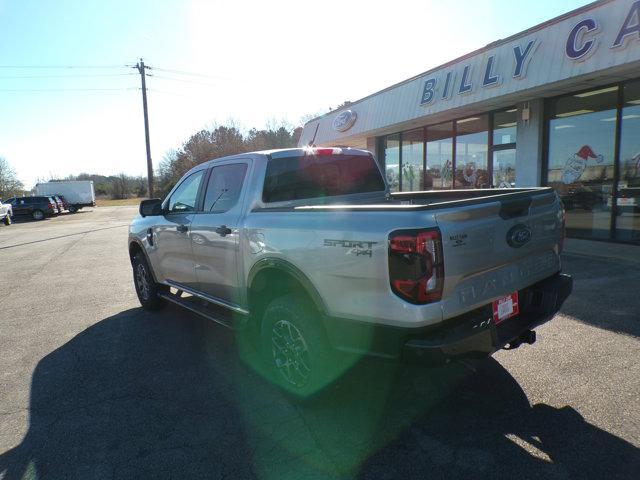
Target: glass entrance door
628,202
503,146
582,132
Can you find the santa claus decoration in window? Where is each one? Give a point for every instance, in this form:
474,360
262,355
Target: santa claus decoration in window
577,163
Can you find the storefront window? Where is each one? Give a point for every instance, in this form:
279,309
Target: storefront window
412,160
471,153
392,161
504,168
505,126
504,148
581,158
439,173
628,204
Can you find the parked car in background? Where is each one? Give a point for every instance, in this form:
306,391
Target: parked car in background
78,193
65,204
628,201
56,210
38,208
6,212
59,203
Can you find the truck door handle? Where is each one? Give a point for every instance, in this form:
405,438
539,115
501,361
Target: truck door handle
223,230
182,228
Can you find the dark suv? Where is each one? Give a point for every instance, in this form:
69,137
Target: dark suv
37,208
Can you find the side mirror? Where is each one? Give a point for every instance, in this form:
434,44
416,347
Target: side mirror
151,207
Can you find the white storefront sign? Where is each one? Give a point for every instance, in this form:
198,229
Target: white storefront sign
599,41
509,64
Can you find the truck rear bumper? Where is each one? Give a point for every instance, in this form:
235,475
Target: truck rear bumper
476,335
472,335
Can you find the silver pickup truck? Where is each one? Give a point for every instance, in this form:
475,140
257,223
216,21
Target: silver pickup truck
310,258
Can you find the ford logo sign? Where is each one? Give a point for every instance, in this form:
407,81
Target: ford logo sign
344,120
518,235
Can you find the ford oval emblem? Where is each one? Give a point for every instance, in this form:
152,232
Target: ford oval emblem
518,235
344,120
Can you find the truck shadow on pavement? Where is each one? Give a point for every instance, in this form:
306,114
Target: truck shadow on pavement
165,396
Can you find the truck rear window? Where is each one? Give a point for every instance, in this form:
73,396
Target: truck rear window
309,176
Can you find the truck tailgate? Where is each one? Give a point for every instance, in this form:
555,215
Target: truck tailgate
496,247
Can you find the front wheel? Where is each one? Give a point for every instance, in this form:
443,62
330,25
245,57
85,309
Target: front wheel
147,289
7,220
294,347
38,215
72,209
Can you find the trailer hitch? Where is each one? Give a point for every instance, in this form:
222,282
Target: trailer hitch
528,337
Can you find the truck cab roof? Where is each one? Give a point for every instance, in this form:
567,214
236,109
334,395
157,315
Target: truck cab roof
291,152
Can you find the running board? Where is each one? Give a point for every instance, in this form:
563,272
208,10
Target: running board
207,310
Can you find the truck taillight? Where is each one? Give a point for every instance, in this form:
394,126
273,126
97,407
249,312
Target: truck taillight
416,265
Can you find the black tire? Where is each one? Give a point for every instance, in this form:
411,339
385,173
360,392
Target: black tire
72,209
38,215
147,289
305,363
7,220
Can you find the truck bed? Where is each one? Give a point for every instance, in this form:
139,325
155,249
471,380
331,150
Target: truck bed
510,198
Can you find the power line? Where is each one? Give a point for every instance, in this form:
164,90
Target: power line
61,66
65,89
82,75
191,74
184,80
167,92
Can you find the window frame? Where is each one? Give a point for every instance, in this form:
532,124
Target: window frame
490,146
198,203
205,186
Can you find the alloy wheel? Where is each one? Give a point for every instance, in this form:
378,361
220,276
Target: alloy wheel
290,353
142,281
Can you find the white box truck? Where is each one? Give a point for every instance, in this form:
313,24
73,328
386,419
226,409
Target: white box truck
77,193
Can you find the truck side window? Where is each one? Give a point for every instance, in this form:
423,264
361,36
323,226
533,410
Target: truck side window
225,185
185,196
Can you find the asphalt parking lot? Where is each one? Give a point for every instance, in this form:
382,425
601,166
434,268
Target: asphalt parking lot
94,387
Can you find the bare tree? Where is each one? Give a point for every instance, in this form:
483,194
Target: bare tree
219,141
120,187
9,183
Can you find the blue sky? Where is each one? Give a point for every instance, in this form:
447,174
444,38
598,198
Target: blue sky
258,62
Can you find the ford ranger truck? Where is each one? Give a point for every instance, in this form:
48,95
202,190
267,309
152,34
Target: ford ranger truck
309,257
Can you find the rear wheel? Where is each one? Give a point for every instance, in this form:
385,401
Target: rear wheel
72,209
147,289
7,220
38,215
295,348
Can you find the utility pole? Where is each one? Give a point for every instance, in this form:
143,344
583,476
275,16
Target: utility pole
141,68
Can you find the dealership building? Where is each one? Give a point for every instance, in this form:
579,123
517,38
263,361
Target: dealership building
556,105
